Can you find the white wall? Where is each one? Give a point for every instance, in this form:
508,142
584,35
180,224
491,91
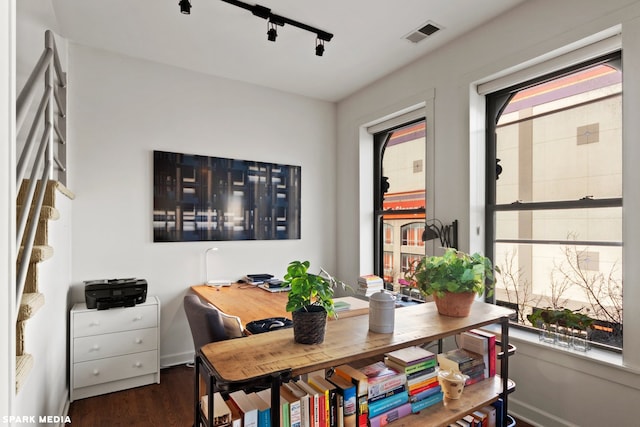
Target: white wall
121,110
552,389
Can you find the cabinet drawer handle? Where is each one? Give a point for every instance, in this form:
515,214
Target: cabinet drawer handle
94,323
137,318
96,372
138,340
138,365
95,347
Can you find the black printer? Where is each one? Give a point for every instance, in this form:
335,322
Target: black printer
104,294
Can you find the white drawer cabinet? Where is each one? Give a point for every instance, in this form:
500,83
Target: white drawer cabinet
113,349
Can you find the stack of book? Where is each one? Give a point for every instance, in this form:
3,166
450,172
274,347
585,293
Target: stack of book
419,366
387,394
481,342
464,361
369,284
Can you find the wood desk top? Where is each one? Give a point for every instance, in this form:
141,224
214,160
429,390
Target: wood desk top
346,340
248,302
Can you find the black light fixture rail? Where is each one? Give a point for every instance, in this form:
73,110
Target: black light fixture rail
274,19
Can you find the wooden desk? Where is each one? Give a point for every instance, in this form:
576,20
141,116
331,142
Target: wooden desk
250,303
275,356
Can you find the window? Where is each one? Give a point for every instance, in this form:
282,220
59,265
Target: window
412,234
399,198
554,195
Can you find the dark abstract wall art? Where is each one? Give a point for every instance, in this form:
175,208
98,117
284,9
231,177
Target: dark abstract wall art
200,198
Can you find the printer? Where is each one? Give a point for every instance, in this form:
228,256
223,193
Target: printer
105,294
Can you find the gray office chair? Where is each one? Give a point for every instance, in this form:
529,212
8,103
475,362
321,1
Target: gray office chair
208,324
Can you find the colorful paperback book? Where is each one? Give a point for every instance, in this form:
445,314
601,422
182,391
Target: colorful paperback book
221,411
390,416
411,369
294,406
384,405
264,410
388,394
416,379
316,403
305,411
360,380
331,398
425,393
382,378
247,408
417,390
348,391
425,403
283,409
423,384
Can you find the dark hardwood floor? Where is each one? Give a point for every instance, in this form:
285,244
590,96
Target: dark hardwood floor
168,404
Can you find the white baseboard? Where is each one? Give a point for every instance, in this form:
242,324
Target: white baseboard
536,416
176,359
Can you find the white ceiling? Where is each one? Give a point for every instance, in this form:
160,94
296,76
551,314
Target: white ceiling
221,39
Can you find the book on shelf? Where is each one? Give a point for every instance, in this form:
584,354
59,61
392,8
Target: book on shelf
305,410
411,369
391,415
349,399
331,398
247,408
389,393
490,412
381,378
423,394
360,380
381,406
221,411
410,355
341,306
480,418
421,376
316,404
477,344
422,385
295,418
459,359
236,415
493,356
416,390
283,408
264,409
426,402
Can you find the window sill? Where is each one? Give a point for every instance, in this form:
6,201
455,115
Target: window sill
595,362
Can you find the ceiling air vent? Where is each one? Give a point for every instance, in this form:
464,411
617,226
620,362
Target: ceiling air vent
422,33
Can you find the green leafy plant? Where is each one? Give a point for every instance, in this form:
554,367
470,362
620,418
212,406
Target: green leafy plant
455,271
562,317
309,289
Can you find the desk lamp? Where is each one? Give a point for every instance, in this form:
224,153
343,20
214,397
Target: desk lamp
208,281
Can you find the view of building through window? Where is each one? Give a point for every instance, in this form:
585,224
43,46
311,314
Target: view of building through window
404,202
558,199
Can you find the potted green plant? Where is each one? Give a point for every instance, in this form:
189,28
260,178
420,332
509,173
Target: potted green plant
310,301
453,279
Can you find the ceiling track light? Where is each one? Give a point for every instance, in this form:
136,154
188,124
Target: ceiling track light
272,32
319,47
274,20
185,7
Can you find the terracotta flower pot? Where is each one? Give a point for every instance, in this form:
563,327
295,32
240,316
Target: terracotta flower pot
454,304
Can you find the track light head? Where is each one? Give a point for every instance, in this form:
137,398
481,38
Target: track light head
319,47
272,32
185,7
